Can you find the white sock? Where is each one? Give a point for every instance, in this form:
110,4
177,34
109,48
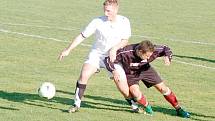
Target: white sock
134,105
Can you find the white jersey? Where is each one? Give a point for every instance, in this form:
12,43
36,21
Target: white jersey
107,34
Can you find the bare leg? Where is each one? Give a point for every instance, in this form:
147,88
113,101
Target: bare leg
137,94
86,72
171,98
140,98
168,94
122,86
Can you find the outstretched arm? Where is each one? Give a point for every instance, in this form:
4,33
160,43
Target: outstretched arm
71,46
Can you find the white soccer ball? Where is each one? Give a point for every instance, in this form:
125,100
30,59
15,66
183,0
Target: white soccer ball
47,90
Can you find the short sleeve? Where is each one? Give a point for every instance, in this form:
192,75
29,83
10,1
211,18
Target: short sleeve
126,28
89,29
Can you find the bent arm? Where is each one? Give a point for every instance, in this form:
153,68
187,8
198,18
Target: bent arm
168,53
112,52
122,44
109,64
163,50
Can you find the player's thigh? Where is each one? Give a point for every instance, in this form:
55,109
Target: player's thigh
121,84
122,87
121,72
93,59
91,65
87,71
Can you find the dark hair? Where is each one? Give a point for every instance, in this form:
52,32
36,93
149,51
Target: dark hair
111,2
146,46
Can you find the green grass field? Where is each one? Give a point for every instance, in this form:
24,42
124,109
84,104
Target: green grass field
34,32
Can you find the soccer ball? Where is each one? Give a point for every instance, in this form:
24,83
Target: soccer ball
47,90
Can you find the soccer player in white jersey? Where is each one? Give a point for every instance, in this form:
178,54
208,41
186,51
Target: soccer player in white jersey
112,32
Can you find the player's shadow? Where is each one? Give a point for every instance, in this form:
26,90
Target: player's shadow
35,100
116,105
100,98
166,111
195,58
203,117
25,98
172,112
8,108
99,103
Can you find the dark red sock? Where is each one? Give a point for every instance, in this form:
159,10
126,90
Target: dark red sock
143,101
171,98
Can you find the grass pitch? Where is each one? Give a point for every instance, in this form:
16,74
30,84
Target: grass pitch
33,33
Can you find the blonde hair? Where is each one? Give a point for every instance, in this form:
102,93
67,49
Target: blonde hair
111,2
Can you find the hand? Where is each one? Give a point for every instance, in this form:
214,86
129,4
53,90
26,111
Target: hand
112,55
166,60
116,75
64,53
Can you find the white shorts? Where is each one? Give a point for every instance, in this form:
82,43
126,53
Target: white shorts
97,60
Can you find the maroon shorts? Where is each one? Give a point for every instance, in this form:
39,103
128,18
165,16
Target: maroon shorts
149,77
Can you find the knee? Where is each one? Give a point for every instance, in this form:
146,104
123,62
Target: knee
136,93
83,79
165,91
162,88
86,72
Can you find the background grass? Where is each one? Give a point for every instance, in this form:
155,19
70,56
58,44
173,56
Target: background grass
29,34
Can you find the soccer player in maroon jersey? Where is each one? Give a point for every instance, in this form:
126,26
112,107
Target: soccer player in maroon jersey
135,60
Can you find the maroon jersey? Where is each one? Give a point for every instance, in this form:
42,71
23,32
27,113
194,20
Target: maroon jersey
133,65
